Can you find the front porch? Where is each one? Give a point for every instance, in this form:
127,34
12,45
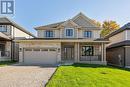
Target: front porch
83,52
5,51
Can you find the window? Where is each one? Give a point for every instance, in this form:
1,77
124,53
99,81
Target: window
3,28
49,33
87,50
27,49
70,32
88,34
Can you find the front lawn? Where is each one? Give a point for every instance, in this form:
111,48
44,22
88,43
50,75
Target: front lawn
5,63
87,75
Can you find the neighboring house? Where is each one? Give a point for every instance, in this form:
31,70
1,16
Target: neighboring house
118,51
75,40
10,31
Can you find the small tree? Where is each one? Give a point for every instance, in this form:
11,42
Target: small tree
97,23
108,27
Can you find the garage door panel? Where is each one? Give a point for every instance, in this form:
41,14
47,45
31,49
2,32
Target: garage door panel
40,57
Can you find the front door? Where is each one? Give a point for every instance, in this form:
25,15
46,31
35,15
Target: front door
69,53
2,47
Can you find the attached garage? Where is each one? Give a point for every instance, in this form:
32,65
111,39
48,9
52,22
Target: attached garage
40,55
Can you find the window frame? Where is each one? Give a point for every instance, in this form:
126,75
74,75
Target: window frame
66,32
3,28
87,34
49,33
87,53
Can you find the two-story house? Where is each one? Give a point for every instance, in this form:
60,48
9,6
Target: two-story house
10,31
118,50
75,40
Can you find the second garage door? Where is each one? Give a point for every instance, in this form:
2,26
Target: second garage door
40,55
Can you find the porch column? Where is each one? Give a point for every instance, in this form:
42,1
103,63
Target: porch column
76,47
0,54
78,55
75,53
102,52
78,52
59,54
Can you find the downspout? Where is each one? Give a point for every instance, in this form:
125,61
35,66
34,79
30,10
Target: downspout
12,45
11,51
124,57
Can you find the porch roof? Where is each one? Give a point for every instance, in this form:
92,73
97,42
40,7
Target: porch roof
63,40
4,37
123,43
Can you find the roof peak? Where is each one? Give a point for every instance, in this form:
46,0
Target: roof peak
126,25
79,14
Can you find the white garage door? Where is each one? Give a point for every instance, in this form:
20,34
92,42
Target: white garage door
40,55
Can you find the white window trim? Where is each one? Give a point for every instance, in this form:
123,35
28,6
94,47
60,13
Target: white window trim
69,36
49,37
87,37
4,28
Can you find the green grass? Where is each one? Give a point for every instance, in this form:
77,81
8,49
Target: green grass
87,75
6,63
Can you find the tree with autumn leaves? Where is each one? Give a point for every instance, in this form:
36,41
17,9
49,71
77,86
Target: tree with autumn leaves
107,27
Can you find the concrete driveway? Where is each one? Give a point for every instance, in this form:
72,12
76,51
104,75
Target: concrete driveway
25,76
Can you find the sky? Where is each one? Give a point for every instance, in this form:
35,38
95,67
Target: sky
34,13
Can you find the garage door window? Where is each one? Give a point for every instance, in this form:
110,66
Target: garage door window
52,49
28,49
44,49
36,49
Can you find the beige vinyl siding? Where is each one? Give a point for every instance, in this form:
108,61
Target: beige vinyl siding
96,33
8,32
118,37
20,34
127,34
40,33
82,22
78,33
56,33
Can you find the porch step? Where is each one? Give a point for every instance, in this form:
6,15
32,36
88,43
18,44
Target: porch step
66,63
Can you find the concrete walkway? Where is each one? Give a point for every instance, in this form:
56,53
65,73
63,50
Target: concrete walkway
25,76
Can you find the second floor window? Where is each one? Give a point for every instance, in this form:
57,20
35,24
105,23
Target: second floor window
3,28
49,33
88,34
69,32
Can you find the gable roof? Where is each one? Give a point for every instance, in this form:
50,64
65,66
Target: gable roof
88,20
85,18
5,20
50,25
125,27
69,22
